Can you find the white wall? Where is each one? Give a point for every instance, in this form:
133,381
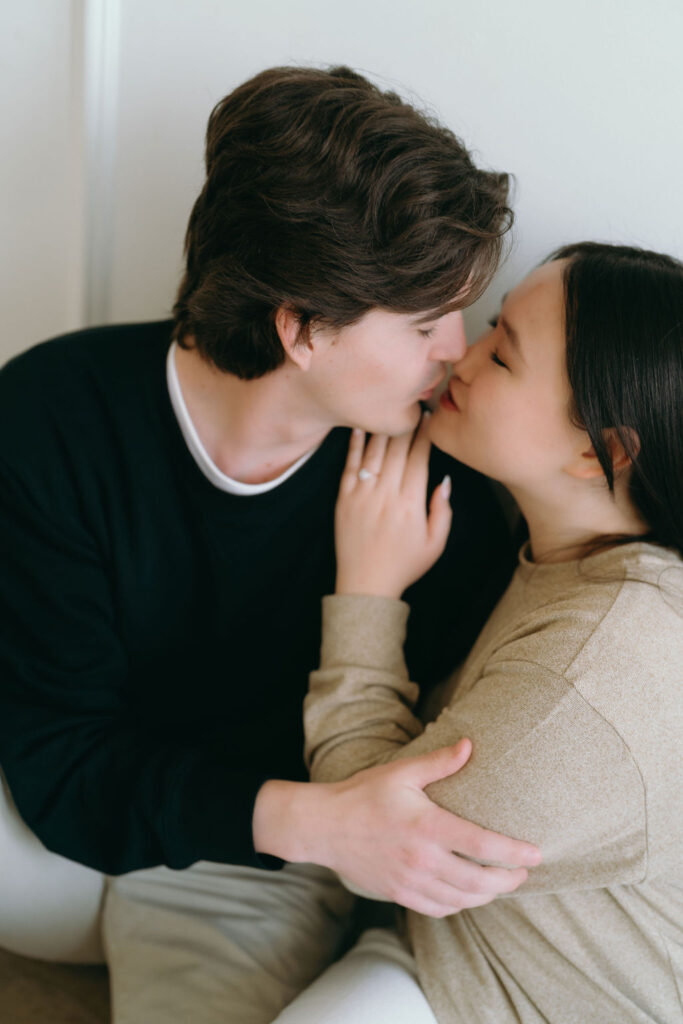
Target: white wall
41,222
582,101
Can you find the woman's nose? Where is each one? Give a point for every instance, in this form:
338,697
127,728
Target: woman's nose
466,367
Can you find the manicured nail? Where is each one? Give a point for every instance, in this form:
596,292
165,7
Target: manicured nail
446,487
356,431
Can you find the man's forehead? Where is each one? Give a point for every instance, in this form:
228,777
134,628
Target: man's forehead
458,302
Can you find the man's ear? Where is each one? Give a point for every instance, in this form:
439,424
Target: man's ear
298,348
586,465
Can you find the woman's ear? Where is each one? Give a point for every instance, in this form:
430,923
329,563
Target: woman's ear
295,343
622,445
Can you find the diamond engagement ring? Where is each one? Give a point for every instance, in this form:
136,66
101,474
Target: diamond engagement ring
365,474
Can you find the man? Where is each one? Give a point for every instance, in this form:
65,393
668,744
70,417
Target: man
167,524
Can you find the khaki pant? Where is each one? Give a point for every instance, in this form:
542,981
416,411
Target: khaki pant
219,944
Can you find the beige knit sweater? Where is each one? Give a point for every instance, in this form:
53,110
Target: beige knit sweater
573,699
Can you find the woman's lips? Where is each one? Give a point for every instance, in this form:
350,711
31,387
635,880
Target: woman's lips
448,402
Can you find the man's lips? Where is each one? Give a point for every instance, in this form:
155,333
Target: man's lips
428,392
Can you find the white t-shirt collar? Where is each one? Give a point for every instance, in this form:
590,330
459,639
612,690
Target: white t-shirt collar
199,452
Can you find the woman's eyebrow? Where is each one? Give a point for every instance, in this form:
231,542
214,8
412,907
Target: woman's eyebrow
511,332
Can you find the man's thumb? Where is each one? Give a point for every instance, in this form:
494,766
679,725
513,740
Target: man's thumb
438,764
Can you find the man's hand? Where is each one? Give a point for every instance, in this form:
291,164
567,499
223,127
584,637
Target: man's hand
381,832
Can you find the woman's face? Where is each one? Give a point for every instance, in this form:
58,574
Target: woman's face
506,409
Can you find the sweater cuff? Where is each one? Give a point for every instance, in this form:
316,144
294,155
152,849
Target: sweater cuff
212,815
364,631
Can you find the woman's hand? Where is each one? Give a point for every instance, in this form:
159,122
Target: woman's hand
385,539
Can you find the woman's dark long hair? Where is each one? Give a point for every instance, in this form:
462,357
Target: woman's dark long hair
624,329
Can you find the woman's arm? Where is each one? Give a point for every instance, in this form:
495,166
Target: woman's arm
545,766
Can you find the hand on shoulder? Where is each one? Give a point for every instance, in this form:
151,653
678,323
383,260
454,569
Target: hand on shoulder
386,538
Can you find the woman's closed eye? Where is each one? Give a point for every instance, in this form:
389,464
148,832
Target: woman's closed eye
495,358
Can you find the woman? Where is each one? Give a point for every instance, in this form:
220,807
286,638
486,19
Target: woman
571,696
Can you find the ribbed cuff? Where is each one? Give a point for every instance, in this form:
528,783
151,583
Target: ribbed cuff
213,812
364,631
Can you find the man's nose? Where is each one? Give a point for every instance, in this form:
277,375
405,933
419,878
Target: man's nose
453,343
471,360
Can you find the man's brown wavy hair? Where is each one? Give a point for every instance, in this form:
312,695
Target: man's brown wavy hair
329,197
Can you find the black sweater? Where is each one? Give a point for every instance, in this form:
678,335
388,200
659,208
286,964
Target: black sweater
156,633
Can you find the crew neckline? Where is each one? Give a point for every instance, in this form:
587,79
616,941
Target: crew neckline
199,453
635,550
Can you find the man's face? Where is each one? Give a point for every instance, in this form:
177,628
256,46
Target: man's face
373,373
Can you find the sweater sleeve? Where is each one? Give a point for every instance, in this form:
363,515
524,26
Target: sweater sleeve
91,782
545,767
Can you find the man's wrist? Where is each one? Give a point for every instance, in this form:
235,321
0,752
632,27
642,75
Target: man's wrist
284,821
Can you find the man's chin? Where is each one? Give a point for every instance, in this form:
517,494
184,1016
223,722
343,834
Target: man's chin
440,436
412,417
409,421
393,425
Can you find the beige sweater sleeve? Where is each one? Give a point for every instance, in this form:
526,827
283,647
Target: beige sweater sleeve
546,767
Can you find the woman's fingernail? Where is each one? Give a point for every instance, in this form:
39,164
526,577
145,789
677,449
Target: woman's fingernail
446,487
356,431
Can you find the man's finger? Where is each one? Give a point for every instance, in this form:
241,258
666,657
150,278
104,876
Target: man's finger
461,836
445,899
466,876
422,905
437,764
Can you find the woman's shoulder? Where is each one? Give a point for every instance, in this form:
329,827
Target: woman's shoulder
622,604
599,645
640,575
630,672
638,642
641,562
638,590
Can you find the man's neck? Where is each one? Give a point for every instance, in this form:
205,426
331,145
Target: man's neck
252,430
567,517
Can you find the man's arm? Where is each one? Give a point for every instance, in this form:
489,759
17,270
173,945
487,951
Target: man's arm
92,780
381,832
